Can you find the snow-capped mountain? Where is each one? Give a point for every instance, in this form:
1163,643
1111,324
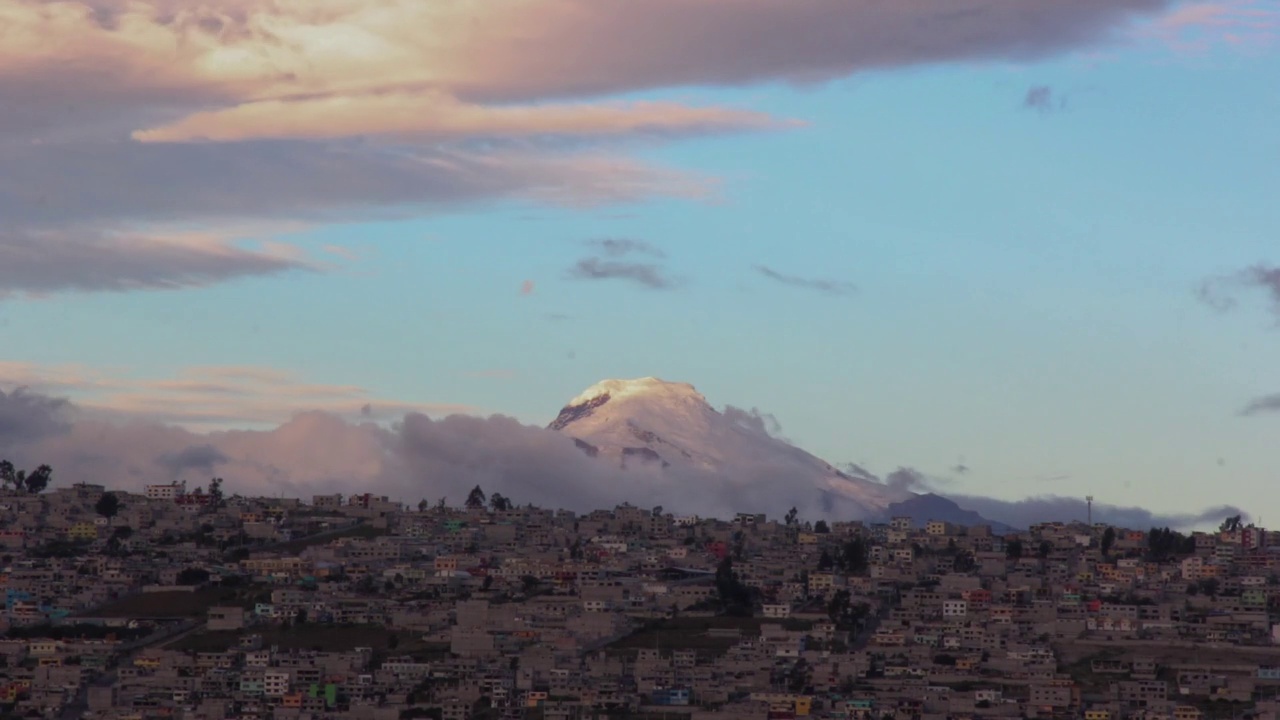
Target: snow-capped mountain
670,427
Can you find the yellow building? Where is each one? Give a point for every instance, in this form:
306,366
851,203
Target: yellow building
83,531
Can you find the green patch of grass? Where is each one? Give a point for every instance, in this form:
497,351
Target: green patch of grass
323,638
694,633
364,532
179,603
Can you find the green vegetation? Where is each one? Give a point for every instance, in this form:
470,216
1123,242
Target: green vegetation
327,638
694,633
178,603
364,532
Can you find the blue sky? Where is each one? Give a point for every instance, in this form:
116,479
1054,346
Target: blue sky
1025,276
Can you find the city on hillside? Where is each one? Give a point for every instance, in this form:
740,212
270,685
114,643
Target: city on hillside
197,603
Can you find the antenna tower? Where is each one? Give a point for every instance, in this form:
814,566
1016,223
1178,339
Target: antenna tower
1089,501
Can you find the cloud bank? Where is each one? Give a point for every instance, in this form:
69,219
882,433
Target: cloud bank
129,123
421,457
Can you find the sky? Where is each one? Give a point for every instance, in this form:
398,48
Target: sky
1024,249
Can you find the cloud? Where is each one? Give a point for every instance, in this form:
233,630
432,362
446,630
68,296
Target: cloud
1264,404
527,287
433,116
1220,293
1051,508
830,287
120,182
648,275
1196,27
39,263
193,457
27,416
619,247
1040,98
332,111
333,58
760,422
208,397
424,457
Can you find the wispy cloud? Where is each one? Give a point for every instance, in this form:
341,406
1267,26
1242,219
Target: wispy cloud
212,397
1261,405
1197,27
1041,98
49,262
613,266
1220,293
619,247
827,286
649,275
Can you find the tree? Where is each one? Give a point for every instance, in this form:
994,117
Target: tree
108,506
476,499
193,576
791,516
1045,549
1013,549
422,505
215,493
34,482
657,511
825,561
821,527
853,557
1108,539
1231,524
499,503
38,480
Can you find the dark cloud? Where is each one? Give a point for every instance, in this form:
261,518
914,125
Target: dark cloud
64,204
649,275
830,287
1220,293
1261,405
194,457
910,480
1040,98
619,247
662,43
1051,508
107,181
27,417
45,262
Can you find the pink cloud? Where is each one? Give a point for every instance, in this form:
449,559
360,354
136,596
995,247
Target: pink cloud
209,397
527,287
437,116
1197,27
332,68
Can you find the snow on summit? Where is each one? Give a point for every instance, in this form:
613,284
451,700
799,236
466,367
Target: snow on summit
649,422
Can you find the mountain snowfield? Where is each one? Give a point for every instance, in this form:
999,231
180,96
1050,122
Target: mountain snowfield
649,425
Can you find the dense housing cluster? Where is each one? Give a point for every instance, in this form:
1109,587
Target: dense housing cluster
178,603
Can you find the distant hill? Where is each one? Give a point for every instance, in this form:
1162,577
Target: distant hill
923,508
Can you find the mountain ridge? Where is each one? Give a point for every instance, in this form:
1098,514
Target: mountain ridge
653,422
